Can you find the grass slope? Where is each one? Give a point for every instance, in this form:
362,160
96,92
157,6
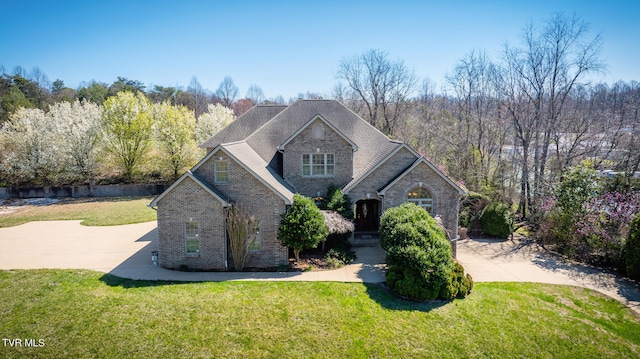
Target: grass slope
93,211
88,314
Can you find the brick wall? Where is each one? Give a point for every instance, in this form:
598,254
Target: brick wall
306,143
445,197
382,175
254,198
187,202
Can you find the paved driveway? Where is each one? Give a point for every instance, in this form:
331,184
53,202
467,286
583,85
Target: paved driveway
125,251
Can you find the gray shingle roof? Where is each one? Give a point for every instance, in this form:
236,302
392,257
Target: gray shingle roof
245,125
247,156
264,128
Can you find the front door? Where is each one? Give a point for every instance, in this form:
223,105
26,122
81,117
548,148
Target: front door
367,215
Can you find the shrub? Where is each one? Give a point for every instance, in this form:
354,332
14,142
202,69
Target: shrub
419,256
302,226
632,250
471,206
335,200
459,285
338,257
497,220
407,213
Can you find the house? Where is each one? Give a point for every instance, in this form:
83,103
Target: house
271,152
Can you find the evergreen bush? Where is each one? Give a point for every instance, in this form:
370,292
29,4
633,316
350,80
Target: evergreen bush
419,256
497,220
302,226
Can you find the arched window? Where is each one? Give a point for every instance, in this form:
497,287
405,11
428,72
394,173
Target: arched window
422,197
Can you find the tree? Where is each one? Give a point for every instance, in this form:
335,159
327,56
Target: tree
175,130
383,86
127,122
124,84
212,121
255,94
302,226
538,81
78,125
227,91
240,230
31,151
198,97
95,92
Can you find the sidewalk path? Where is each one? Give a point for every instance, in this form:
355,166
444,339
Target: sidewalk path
125,251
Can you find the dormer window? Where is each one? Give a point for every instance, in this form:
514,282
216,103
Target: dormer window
318,164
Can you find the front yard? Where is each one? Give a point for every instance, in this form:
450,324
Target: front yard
105,211
89,314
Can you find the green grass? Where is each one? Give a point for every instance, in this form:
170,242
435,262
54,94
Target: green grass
82,314
92,211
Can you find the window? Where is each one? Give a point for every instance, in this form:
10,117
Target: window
221,171
318,164
254,240
422,197
192,237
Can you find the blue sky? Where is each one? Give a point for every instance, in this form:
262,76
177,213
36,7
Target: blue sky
285,47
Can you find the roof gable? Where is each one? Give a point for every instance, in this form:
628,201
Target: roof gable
416,164
212,191
376,164
313,119
246,157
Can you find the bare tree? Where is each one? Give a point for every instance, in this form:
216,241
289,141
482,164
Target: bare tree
383,86
542,73
198,95
483,133
255,94
227,92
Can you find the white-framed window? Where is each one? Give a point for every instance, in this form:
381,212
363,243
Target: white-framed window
318,164
221,171
254,240
192,237
422,197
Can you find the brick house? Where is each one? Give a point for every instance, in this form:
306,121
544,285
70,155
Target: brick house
271,152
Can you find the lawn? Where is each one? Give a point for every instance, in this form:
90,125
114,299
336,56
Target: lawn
88,314
105,211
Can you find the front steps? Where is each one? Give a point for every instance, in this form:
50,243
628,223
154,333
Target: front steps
365,239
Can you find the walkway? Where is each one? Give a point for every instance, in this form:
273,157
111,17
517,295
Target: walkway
125,251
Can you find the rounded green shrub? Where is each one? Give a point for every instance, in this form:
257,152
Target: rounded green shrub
302,226
419,256
497,220
396,225
632,250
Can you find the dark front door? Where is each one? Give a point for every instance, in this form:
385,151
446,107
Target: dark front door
367,215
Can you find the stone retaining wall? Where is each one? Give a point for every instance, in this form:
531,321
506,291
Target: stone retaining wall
117,190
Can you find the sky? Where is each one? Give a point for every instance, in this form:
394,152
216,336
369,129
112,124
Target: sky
285,47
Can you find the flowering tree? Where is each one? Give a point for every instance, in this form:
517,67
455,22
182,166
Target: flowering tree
31,151
78,125
212,121
606,220
174,128
127,123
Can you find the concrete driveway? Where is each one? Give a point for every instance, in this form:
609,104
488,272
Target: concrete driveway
125,251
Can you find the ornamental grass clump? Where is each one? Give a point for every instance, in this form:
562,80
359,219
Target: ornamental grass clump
419,256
